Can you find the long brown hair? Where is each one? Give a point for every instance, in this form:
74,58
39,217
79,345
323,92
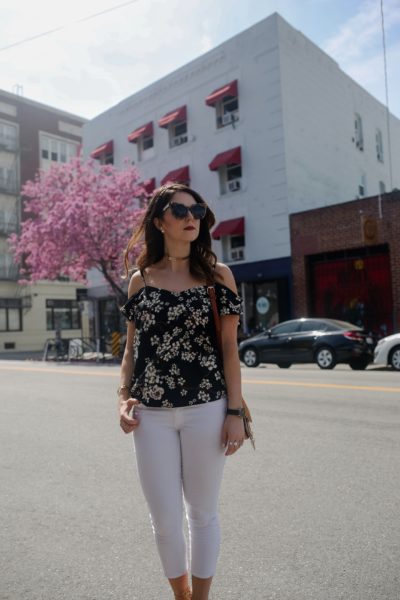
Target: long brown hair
202,258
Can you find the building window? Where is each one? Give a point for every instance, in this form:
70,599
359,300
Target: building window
10,314
379,145
143,137
56,150
358,132
362,186
232,236
107,159
181,175
227,111
8,219
8,269
382,187
230,179
177,134
145,147
62,314
175,122
236,247
225,100
229,167
8,180
104,153
8,136
233,177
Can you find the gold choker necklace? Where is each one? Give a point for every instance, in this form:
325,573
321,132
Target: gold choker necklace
176,257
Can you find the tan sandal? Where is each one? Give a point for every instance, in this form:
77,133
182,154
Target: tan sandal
186,595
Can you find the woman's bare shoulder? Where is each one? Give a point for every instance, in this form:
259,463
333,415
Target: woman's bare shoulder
136,283
225,276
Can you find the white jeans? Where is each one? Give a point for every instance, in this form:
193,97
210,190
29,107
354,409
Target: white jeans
180,450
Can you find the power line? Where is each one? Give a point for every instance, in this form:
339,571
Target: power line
50,31
387,100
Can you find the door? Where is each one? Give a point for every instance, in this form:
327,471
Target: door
278,345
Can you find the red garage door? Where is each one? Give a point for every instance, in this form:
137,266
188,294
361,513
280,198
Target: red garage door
358,290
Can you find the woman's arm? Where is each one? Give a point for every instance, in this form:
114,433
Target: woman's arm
124,400
232,435
230,354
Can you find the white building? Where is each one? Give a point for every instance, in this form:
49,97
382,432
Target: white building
263,126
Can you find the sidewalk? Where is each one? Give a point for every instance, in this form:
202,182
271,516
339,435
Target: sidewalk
27,355
35,355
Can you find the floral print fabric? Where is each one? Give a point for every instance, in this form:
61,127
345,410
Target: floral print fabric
175,349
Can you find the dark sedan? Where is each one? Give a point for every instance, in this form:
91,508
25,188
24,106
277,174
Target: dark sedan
323,341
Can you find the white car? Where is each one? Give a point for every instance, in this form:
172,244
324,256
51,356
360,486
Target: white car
387,351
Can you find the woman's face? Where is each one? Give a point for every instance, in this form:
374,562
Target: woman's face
186,229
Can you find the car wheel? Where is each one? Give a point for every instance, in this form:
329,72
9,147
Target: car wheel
358,365
394,358
250,357
284,365
325,358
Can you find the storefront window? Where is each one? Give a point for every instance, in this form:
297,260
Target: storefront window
261,306
10,314
62,314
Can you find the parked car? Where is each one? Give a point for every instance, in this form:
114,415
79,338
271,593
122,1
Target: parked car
387,351
324,341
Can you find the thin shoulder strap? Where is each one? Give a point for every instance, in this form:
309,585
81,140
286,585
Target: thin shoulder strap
217,319
144,280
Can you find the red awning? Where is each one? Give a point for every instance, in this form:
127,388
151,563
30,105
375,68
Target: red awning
231,227
230,157
179,114
106,148
144,130
230,89
149,185
178,176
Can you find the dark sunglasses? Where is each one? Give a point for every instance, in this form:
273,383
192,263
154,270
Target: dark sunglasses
180,211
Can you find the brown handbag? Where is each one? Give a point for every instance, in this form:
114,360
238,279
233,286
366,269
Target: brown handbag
247,419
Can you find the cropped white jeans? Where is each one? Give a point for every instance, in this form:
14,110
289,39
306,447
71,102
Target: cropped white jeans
180,457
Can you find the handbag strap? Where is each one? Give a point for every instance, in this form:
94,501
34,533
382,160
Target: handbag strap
217,318
217,324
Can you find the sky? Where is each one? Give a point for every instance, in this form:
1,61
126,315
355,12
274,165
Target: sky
86,67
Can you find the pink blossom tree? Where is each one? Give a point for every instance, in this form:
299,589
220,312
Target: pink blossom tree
79,216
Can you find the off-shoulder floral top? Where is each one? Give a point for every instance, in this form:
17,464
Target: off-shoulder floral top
175,349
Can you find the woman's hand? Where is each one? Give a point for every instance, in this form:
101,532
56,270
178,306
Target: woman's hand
232,434
127,423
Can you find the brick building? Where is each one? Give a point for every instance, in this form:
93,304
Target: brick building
346,262
32,136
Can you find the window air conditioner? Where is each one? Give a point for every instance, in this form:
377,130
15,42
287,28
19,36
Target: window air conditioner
226,118
237,254
234,185
180,139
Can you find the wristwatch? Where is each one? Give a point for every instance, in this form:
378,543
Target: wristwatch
238,412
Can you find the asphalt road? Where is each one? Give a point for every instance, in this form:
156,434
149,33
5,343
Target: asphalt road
314,513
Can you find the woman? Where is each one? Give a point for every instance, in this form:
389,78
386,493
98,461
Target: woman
176,383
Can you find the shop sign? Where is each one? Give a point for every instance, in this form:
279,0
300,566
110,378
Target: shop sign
262,305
